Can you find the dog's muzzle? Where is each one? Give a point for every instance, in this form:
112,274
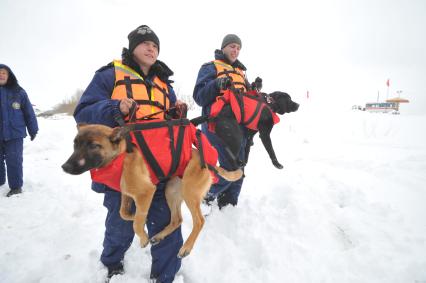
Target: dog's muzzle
294,107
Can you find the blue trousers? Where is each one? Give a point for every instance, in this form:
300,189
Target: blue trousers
224,191
11,152
119,236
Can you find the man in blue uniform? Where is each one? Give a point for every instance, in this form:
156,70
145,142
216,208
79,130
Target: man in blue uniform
16,116
213,79
96,106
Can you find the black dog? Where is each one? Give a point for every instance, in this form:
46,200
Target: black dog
229,131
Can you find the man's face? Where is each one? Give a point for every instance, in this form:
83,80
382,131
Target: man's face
4,75
146,54
232,51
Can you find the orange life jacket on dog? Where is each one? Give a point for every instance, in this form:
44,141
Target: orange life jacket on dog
246,107
166,148
225,70
151,98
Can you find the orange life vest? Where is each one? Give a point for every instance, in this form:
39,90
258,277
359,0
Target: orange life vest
150,97
238,77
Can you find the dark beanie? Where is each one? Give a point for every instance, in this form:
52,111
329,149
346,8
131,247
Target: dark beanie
141,34
230,38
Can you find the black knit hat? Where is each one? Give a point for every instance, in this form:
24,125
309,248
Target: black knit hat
141,34
230,38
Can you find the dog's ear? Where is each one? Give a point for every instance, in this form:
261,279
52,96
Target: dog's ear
81,125
280,100
117,134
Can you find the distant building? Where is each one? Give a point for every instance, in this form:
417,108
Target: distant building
390,106
382,107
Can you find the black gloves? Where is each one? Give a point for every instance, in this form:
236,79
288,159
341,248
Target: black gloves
33,136
223,83
257,84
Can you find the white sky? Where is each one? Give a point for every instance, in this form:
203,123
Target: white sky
341,51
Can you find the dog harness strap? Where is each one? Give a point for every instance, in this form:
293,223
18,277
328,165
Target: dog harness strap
120,121
254,115
132,118
240,102
132,113
160,124
172,149
149,156
200,149
212,168
177,152
129,144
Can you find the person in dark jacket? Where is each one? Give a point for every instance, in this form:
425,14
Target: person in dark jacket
106,98
213,79
16,117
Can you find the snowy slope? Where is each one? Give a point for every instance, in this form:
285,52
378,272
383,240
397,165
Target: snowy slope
347,207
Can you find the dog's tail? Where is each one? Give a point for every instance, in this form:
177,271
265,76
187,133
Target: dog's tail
199,120
230,176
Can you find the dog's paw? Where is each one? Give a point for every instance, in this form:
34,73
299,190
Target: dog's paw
277,164
183,253
144,242
154,241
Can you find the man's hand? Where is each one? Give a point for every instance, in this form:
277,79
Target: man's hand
223,83
181,109
32,137
125,105
257,84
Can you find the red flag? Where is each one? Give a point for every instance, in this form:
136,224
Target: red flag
387,82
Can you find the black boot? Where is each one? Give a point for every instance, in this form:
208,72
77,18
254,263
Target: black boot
114,270
224,199
14,192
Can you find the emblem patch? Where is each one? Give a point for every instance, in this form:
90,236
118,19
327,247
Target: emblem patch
16,105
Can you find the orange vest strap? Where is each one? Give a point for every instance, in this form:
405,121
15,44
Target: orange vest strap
150,102
127,82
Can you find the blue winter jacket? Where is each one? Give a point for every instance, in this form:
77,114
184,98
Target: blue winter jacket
206,90
97,107
17,113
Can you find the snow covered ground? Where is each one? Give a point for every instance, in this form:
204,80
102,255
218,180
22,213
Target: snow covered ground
349,206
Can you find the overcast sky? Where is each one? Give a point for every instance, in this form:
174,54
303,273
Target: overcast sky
342,52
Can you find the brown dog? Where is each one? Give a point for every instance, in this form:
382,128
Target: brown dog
95,146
